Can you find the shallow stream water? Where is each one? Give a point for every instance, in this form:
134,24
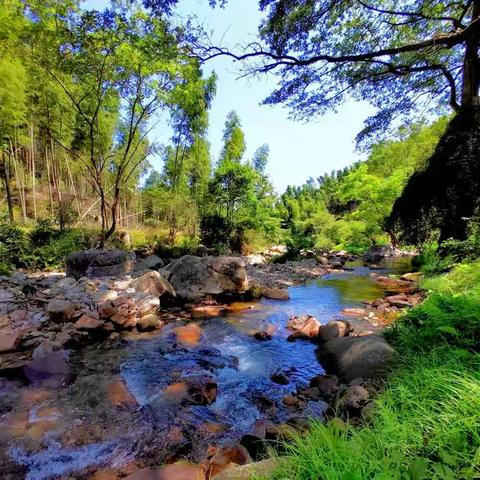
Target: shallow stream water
125,403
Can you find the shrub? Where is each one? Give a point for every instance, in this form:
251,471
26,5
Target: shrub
14,243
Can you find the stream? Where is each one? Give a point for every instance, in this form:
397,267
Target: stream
127,403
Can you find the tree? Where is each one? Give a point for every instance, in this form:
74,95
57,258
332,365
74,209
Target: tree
234,139
403,57
117,69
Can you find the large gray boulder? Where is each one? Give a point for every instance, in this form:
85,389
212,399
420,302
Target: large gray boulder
356,357
99,263
193,278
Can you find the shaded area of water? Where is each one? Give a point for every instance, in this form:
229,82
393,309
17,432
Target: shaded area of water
96,421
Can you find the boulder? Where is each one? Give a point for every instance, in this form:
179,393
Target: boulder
154,284
193,278
354,357
260,469
60,311
99,263
280,378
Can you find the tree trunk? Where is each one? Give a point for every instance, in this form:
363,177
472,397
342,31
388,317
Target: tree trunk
471,66
6,179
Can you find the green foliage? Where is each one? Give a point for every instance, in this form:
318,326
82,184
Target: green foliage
425,425
14,244
348,209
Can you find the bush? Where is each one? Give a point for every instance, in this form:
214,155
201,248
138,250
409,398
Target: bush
216,232
14,243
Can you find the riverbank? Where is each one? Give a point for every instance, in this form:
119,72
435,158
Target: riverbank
424,422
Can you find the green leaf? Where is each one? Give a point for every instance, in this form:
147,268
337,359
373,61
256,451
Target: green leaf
444,471
418,469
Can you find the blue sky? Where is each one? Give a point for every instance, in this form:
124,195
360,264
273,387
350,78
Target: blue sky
297,150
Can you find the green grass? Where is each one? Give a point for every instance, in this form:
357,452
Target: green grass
426,423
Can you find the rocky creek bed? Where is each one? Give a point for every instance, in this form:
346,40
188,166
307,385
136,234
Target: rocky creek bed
113,377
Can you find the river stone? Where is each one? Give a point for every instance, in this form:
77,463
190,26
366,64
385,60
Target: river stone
152,262
99,263
276,293
353,399
333,330
60,311
149,322
237,455
356,357
154,284
193,278
326,384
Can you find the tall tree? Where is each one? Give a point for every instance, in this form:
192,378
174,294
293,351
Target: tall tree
234,145
403,57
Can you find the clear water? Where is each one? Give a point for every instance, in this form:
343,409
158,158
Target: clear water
87,430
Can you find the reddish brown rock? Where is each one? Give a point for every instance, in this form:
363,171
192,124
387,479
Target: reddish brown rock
209,311
118,320
237,455
60,311
88,323
291,401
189,334
10,342
106,309
306,324
18,315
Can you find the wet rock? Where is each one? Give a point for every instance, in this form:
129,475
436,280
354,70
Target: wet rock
400,301
333,330
146,303
209,311
18,315
12,365
326,384
237,455
280,378
51,369
263,336
119,395
353,399
99,263
354,357
291,401
10,342
312,393
355,312
170,472
189,334
201,390
88,323
193,277
275,293
154,284
60,311
149,322
306,324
